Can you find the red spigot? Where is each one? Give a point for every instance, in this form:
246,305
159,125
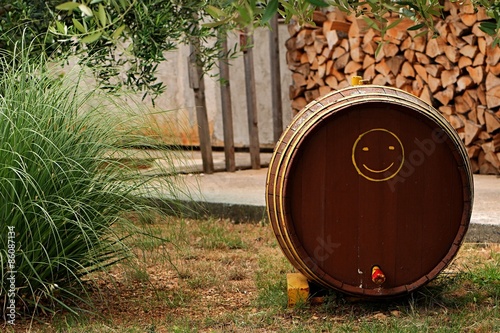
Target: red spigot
378,277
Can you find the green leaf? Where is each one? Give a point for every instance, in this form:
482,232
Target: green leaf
118,32
61,27
371,23
270,11
488,27
214,12
91,38
85,10
393,24
416,27
102,15
318,3
79,26
68,6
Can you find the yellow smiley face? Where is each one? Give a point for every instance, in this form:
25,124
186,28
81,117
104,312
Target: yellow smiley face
378,154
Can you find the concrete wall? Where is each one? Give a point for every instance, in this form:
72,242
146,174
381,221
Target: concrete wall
174,113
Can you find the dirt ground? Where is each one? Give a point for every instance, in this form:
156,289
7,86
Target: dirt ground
207,276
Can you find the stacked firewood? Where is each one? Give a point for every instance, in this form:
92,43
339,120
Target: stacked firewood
456,71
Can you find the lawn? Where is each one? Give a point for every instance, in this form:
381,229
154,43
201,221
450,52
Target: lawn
216,276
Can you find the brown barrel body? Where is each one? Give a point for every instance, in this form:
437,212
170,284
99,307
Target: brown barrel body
369,177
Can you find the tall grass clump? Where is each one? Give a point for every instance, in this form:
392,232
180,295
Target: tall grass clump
62,189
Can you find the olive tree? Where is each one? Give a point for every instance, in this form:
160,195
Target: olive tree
123,41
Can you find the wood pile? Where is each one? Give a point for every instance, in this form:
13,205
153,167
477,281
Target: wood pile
457,71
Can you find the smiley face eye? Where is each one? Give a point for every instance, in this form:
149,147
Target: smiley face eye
391,147
365,149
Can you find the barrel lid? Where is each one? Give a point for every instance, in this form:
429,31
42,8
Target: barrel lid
370,176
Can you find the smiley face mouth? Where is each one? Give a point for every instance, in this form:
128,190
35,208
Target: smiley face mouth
378,171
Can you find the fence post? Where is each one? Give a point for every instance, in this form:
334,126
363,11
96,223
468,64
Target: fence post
246,42
198,86
276,79
227,114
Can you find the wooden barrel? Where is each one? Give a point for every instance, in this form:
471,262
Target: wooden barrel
370,180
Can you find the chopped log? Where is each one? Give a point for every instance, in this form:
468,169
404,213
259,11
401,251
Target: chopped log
311,95
488,147
482,14
299,103
445,96
434,69
299,80
402,81
460,105
382,67
379,79
434,83
492,81
447,109
464,62
332,39
492,121
352,67
492,55
471,130
496,142
395,64
482,45
469,51
456,122
407,70
303,69
451,53
370,48
481,109
409,55
357,54
419,44
319,17
338,74
468,19
473,151
476,73
319,43
455,41
367,61
493,159
338,52
344,43
470,39
435,47
481,94
493,97
479,59
457,28
342,61
421,72
449,77
295,92
369,73
422,58
426,95
444,61
332,81
304,37
464,82
311,53
324,90
406,44
390,50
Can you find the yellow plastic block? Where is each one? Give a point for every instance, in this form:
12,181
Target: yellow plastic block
298,289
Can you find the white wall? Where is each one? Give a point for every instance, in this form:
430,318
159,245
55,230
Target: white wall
179,123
